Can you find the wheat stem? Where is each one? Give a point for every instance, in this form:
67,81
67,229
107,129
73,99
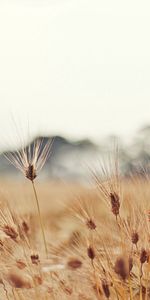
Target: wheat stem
130,288
40,218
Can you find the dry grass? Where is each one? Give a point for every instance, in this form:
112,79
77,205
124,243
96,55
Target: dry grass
97,240
60,241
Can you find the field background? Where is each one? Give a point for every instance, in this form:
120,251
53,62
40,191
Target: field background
69,272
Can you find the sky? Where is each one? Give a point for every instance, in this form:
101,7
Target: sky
77,68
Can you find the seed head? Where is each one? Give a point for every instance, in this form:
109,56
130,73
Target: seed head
91,253
37,280
20,264
143,256
105,288
91,224
35,259
74,264
121,268
143,290
25,227
31,159
10,231
134,238
115,203
31,172
18,279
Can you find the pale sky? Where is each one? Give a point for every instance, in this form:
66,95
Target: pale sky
79,68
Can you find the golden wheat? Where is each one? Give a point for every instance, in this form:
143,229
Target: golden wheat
97,240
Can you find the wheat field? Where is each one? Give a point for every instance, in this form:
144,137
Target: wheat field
68,241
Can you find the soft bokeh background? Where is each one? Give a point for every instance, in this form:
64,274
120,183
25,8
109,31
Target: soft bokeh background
74,68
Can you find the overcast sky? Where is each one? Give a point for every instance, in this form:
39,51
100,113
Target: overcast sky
80,68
